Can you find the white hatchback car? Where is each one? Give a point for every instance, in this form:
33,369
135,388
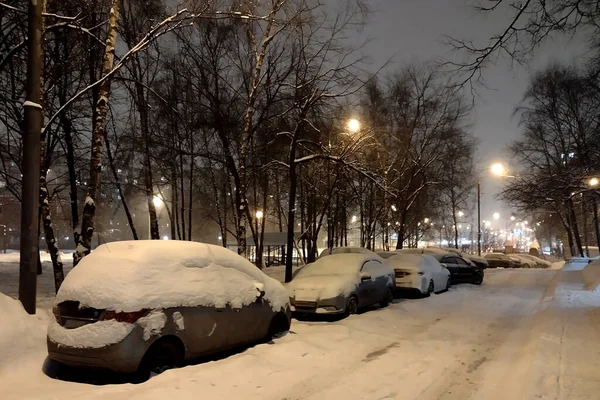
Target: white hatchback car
419,271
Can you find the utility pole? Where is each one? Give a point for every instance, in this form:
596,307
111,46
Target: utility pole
478,217
30,188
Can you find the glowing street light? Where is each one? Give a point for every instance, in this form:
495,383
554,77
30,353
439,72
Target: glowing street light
354,219
512,218
158,201
488,224
498,169
594,182
461,214
496,215
426,220
394,208
353,125
259,214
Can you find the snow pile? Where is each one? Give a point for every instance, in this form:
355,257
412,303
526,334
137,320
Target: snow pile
96,335
132,275
591,275
153,323
334,275
20,333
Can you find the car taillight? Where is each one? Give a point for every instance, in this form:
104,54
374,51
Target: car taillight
129,317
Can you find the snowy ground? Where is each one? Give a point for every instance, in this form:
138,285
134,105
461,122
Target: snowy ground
524,334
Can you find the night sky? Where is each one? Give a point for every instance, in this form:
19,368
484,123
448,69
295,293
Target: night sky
412,30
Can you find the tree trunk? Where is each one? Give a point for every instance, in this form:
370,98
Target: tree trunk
84,240
115,173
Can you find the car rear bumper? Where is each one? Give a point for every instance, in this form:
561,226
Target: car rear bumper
124,356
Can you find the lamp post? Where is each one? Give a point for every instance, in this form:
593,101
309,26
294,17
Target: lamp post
479,218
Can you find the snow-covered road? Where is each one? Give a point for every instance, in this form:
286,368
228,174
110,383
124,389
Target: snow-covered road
524,334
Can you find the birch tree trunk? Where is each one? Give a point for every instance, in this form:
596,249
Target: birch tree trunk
84,239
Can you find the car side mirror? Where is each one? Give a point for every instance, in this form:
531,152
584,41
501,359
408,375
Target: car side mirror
365,276
444,265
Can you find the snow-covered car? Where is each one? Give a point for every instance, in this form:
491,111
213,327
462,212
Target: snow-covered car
535,262
481,262
524,262
342,284
420,272
461,269
499,260
345,250
386,254
147,306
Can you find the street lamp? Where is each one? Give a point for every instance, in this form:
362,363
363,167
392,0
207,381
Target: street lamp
157,201
259,214
496,215
353,125
461,214
512,218
593,182
498,169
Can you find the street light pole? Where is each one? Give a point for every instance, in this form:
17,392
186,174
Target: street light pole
30,189
478,217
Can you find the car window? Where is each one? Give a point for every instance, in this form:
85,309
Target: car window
461,262
370,266
449,260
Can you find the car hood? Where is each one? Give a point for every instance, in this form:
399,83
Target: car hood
312,288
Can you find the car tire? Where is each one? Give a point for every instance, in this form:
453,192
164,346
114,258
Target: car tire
448,284
164,354
352,306
477,279
389,297
430,289
278,326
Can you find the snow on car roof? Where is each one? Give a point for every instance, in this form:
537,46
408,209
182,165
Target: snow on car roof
407,260
338,264
133,275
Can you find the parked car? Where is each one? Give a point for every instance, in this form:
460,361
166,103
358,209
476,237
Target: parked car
537,262
345,250
499,260
420,272
524,262
148,306
342,284
481,262
386,254
461,270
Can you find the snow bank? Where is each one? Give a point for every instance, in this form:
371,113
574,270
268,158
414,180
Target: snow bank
132,275
591,275
96,335
20,333
179,320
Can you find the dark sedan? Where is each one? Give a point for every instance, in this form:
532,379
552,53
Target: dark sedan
498,260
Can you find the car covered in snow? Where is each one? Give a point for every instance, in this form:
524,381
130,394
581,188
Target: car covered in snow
500,260
421,272
345,250
461,269
533,261
147,306
342,284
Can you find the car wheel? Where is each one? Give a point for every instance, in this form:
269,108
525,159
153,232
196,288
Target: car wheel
448,284
478,279
352,306
389,297
430,289
163,355
278,326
